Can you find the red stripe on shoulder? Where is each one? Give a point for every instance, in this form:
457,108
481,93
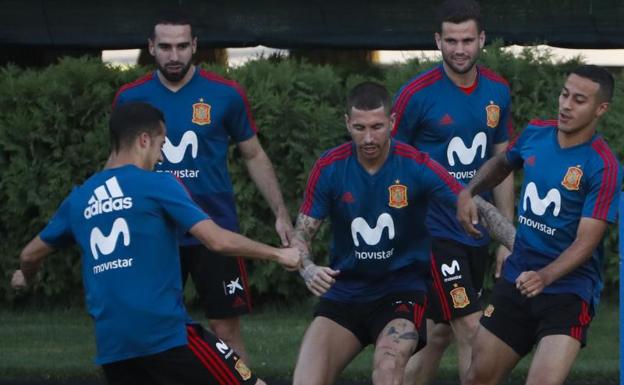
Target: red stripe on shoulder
136,83
231,83
488,73
411,152
544,122
609,179
341,152
422,81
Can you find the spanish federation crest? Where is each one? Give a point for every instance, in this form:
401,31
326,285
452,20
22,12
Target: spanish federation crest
242,369
397,197
572,178
493,114
201,113
460,298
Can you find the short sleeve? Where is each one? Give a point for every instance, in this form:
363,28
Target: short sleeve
178,205
514,150
407,111
239,120
441,185
316,197
504,130
58,232
604,187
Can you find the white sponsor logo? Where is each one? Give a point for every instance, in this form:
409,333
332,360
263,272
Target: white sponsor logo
106,243
224,349
371,236
233,286
107,198
175,154
450,270
466,155
539,205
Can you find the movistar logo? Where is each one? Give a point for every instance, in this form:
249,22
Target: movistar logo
539,205
175,154
106,199
466,155
371,236
106,243
450,270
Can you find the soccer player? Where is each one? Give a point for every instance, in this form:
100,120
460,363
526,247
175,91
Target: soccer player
376,191
459,113
551,282
204,112
125,220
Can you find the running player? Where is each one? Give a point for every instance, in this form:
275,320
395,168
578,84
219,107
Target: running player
204,112
376,191
459,113
126,219
551,282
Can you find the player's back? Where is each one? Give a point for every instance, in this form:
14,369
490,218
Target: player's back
121,219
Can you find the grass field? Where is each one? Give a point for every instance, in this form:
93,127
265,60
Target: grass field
59,345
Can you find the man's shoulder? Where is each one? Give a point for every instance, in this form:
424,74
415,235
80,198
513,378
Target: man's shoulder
421,82
404,150
489,75
136,85
219,83
337,153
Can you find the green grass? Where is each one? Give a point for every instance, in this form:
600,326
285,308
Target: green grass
59,345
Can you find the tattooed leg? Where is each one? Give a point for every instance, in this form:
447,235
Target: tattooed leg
395,345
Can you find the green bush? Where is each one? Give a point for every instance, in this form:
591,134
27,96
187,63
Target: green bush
53,135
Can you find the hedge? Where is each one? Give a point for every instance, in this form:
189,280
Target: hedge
53,135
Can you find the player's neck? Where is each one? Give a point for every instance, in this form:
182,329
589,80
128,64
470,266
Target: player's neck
373,165
175,86
581,136
464,80
124,158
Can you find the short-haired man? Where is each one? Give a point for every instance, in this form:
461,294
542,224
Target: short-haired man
126,219
459,113
204,112
551,282
376,191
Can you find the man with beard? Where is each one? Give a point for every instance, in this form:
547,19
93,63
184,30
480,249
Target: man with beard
459,113
552,280
203,112
375,190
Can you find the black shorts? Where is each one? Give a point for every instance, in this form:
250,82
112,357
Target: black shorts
521,322
221,282
204,360
457,273
367,320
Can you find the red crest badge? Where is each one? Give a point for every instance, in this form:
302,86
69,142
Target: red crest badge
488,311
242,369
572,178
201,113
460,298
397,195
493,115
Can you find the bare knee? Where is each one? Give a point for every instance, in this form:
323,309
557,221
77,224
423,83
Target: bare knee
260,382
389,366
440,337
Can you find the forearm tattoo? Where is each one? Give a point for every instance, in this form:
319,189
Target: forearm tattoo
497,224
305,229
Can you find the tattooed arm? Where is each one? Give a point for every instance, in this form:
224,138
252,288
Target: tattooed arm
489,175
318,279
499,226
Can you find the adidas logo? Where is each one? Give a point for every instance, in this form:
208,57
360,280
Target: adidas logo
446,120
106,199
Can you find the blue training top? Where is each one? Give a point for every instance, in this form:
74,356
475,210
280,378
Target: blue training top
125,221
458,128
561,186
380,243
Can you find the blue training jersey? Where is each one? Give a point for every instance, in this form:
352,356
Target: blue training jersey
379,240
458,129
561,186
125,220
201,118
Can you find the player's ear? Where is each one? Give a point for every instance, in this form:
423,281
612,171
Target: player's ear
438,40
194,45
481,39
151,46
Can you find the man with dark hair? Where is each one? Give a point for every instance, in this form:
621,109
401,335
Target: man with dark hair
376,191
125,219
551,282
204,112
459,113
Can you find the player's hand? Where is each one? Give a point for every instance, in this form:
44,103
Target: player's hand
290,258
18,281
318,279
501,255
284,229
467,214
530,283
